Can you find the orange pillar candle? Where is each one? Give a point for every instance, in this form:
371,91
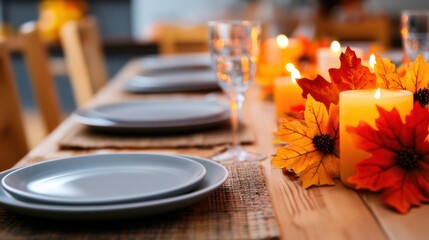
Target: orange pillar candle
287,94
360,105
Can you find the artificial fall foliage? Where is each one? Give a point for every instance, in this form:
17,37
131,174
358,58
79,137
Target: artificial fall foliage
313,150
413,77
399,164
351,75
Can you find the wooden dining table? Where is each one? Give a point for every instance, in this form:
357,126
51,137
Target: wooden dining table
331,212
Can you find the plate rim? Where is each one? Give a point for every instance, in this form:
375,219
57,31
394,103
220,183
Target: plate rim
82,117
184,186
223,108
118,211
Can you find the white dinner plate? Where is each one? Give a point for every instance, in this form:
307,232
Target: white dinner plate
104,178
155,116
173,81
177,61
215,177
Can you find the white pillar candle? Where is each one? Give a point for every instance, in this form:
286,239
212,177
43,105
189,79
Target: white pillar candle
328,58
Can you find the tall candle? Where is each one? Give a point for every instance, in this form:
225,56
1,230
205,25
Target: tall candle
360,105
287,94
328,58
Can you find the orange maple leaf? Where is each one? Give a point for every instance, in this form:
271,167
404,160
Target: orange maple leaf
313,145
386,73
351,75
413,76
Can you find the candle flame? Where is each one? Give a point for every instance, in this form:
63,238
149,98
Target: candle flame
282,41
377,94
295,74
372,61
335,46
290,67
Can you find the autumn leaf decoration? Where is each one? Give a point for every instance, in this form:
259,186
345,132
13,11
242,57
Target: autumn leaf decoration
413,77
399,164
313,145
351,75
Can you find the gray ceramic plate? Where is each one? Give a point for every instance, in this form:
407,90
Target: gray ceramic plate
216,176
155,116
177,61
158,112
173,81
104,178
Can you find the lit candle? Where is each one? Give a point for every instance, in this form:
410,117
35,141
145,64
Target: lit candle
287,93
290,49
272,52
372,62
328,58
360,105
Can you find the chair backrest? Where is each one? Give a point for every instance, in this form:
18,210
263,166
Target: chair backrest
84,57
37,60
13,145
175,39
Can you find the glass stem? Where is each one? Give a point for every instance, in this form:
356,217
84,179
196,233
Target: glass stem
235,101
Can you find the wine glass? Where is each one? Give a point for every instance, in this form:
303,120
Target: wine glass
234,47
415,33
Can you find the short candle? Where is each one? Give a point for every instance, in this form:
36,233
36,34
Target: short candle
287,94
360,105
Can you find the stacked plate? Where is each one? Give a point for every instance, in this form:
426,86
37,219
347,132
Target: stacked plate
178,73
109,186
173,81
163,115
178,61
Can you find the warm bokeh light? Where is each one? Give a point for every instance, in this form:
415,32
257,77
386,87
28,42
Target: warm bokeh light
377,94
282,41
290,67
335,46
295,74
219,43
372,61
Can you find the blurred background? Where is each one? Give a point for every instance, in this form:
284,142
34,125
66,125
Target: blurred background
134,28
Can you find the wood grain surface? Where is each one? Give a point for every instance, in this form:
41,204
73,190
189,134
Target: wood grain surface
335,212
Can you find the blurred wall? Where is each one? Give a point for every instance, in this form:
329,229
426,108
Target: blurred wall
395,6
146,13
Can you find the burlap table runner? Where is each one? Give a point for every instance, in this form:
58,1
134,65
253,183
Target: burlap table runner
83,138
240,209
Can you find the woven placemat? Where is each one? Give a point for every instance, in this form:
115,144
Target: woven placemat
84,138
240,209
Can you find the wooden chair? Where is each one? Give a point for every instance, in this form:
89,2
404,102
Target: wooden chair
84,57
175,39
37,60
13,145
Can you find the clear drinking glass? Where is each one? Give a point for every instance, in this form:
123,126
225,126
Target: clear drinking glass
234,48
415,33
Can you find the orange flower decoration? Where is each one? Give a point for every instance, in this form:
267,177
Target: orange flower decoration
399,165
313,145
